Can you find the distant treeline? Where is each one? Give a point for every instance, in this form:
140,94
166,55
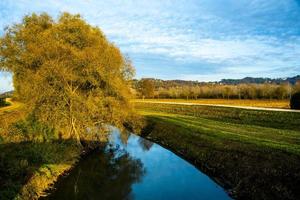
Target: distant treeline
154,88
247,80
6,94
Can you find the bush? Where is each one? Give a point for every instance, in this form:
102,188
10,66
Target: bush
2,102
295,101
30,129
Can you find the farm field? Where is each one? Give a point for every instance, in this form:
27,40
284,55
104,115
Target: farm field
231,102
240,150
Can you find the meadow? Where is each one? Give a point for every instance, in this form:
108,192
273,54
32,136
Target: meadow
253,154
263,103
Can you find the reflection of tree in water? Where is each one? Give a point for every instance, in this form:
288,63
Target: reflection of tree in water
101,175
124,136
145,144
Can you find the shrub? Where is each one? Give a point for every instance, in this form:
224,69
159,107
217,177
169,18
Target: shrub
295,101
2,102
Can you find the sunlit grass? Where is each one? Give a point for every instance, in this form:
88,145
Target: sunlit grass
271,119
13,105
274,103
285,140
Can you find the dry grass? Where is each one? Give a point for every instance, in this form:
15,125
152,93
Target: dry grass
231,102
9,115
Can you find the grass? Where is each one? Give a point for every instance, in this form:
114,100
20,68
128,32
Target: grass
33,156
29,164
5,104
253,154
11,106
271,119
29,168
273,103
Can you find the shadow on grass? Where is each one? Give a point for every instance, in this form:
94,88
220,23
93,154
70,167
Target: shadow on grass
20,162
5,104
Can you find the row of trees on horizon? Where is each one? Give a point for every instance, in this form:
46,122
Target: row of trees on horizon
149,88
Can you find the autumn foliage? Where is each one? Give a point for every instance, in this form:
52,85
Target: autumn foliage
67,73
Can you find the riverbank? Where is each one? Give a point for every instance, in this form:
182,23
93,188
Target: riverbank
29,164
131,167
252,154
33,156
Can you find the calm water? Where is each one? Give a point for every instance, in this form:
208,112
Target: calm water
134,168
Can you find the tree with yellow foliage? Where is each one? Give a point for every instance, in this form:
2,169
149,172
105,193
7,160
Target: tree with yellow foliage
147,88
67,73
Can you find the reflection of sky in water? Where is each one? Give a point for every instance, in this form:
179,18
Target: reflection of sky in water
167,175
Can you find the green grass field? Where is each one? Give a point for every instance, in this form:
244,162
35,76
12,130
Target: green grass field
253,154
263,103
271,119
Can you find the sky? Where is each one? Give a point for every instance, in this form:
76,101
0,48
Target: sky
204,40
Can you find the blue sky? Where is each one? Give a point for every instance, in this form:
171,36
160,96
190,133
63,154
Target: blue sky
203,40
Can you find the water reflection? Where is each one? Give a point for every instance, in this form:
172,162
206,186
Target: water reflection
103,175
145,144
120,138
134,168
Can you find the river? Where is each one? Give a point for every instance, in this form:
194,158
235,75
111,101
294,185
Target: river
131,167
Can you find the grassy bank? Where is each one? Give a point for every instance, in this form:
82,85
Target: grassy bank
33,156
253,154
263,103
29,162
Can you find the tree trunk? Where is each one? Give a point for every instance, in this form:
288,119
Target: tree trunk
75,132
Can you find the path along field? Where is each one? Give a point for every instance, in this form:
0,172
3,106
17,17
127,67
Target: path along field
13,106
9,114
244,103
254,154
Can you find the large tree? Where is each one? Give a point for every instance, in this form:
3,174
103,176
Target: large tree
67,73
147,88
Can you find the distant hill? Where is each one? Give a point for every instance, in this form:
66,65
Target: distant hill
291,80
167,83
7,94
246,80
